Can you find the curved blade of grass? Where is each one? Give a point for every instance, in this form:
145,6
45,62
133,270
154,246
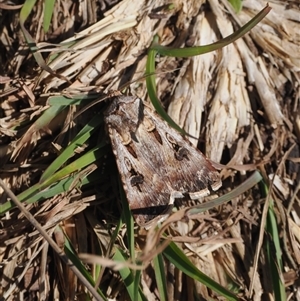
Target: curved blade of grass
180,260
187,52
254,179
151,88
197,50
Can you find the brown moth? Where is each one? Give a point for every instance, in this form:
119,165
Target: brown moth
155,162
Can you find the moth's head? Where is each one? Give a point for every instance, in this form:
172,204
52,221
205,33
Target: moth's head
124,112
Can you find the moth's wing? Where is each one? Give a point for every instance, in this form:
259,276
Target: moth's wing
156,163
188,169
147,193
164,165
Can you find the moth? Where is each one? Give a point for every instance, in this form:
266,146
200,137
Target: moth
156,163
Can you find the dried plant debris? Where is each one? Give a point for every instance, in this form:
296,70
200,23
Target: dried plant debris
242,102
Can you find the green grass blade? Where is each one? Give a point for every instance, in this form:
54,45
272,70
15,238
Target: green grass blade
68,153
151,88
197,50
127,276
128,219
34,194
274,252
136,284
188,52
179,259
47,116
160,276
48,12
237,5
26,9
79,99
72,255
85,160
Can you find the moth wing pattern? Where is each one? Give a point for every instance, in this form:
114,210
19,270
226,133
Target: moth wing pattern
146,193
155,162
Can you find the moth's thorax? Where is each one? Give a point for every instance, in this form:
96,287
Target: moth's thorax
124,114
